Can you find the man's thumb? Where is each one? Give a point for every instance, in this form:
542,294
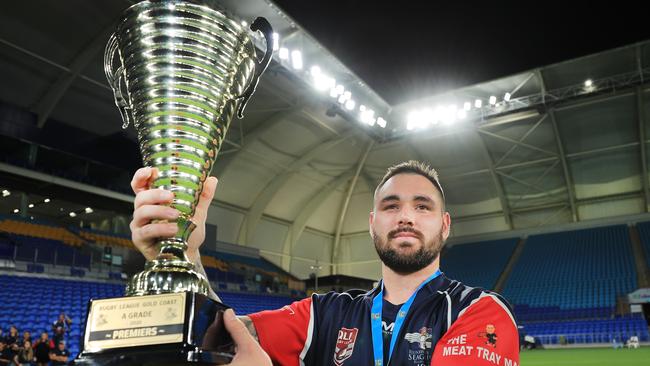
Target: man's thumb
209,188
240,335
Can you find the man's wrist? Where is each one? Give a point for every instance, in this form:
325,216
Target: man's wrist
194,256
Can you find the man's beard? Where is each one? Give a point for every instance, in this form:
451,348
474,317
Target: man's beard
408,263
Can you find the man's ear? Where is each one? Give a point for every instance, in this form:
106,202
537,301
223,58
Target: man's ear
371,219
446,225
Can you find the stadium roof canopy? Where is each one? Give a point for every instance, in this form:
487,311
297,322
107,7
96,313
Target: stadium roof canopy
555,145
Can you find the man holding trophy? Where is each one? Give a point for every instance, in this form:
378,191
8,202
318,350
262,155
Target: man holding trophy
180,70
444,321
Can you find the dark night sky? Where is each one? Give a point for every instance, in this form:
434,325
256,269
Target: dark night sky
408,49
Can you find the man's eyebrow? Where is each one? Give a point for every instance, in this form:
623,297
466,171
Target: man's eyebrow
423,199
392,197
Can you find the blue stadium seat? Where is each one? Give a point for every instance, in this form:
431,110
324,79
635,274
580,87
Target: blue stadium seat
644,235
478,264
566,285
574,270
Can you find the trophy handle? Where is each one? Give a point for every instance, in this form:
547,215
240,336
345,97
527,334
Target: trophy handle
114,77
262,25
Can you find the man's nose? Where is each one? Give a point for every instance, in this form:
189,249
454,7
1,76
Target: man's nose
405,217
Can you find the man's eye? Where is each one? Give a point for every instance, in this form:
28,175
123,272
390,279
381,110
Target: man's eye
390,207
423,207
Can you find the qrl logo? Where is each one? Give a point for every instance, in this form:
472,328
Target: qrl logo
344,345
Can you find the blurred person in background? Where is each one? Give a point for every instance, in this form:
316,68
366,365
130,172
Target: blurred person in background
25,356
59,355
42,349
60,327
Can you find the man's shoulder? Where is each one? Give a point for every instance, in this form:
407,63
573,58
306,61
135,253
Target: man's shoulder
481,320
337,301
348,295
465,297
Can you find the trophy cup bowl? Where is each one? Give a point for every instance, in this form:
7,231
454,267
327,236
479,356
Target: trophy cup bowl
180,70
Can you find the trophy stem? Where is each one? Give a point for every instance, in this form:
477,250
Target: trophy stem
171,251
172,254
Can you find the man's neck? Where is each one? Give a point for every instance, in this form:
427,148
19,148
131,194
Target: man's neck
398,288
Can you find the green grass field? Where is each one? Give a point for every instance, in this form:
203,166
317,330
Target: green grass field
586,357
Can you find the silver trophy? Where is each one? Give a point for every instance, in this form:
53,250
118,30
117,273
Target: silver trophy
182,71
179,70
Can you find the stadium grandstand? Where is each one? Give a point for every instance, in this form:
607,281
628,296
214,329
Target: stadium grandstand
545,174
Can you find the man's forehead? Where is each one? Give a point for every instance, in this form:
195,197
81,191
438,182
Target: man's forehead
407,186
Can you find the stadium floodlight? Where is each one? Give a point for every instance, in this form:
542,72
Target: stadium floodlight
284,53
5,193
47,200
381,122
589,83
244,23
492,100
420,119
349,105
362,108
368,117
462,114
16,210
467,106
31,205
336,91
72,214
345,97
324,82
413,117
276,41
427,116
315,70
448,115
478,103
88,210
410,126
438,115
507,97
296,59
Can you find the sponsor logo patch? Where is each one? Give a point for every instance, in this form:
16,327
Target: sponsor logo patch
490,335
422,337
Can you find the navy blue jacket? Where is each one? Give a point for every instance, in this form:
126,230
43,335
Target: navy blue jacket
448,324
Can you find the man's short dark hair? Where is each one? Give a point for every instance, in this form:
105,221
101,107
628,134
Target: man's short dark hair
413,167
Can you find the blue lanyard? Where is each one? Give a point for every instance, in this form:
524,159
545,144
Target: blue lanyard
375,321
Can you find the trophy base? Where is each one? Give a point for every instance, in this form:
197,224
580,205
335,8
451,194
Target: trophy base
167,329
163,277
154,356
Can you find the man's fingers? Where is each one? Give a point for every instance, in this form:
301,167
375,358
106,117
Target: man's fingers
238,332
153,197
142,179
148,233
147,213
209,188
